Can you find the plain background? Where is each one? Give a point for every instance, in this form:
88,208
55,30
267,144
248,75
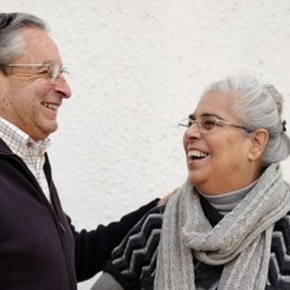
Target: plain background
136,69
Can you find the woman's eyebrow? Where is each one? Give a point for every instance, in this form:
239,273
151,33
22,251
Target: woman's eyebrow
191,116
207,114
210,115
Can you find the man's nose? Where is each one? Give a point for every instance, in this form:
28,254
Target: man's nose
62,87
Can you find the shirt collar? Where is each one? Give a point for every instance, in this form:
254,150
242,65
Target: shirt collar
18,141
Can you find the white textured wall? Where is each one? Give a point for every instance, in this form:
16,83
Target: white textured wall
137,67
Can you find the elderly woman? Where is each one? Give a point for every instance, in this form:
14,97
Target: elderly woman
228,227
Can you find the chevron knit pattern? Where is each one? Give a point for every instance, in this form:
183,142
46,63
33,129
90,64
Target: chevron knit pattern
279,268
133,262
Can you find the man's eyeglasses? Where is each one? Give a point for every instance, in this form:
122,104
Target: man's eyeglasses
207,123
52,70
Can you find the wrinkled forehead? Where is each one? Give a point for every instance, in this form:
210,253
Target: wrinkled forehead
38,46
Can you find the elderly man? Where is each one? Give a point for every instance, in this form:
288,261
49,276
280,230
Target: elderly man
39,247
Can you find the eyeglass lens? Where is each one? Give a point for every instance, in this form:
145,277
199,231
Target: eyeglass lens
205,124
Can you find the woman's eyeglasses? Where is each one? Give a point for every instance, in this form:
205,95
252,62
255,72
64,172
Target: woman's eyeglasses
207,123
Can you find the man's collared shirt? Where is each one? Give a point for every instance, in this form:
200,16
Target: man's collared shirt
30,151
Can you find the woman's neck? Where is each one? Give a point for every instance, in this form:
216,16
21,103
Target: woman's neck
224,203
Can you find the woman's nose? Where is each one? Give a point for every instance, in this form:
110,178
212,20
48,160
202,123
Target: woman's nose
192,131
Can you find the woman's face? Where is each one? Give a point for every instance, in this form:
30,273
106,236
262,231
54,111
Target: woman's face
218,160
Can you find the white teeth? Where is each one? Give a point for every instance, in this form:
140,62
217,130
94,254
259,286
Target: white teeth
197,154
50,106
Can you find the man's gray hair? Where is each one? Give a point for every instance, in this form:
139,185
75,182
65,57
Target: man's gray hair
257,106
11,45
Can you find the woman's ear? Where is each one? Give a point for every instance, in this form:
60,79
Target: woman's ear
259,140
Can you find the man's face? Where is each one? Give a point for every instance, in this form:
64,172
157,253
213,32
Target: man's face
28,99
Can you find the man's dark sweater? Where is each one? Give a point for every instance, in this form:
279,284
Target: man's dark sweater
39,247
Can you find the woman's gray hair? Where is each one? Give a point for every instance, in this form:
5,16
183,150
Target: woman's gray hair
11,46
258,106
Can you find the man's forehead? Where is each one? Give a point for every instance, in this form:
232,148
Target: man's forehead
39,46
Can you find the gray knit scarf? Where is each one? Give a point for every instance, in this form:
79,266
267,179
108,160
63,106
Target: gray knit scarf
241,241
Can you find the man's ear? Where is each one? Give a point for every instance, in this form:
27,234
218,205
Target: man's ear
259,140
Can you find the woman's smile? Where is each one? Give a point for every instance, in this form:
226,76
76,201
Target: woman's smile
195,155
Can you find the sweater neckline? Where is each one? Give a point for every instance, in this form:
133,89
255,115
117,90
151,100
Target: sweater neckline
224,203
